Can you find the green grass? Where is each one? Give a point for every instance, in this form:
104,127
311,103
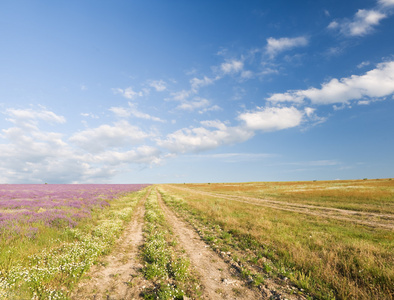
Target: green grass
164,265
49,265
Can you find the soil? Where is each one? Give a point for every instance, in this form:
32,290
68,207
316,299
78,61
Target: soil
118,275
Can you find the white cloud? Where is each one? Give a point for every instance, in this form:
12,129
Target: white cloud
121,112
378,82
202,138
213,133
333,25
128,93
99,139
158,85
181,95
363,23
193,105
232,66
124,112
211,108
141,155
93,116
196,83
31,155
272,118
364,102
292,96
30,115
386,3
200,104
275,46
363,64
309,111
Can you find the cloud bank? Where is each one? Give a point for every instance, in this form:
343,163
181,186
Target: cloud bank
376,83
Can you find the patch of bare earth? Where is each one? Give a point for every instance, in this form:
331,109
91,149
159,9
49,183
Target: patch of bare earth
118,276
218,279
359,217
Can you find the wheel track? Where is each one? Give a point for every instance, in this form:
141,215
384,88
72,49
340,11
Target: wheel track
216,276
120,277
363,218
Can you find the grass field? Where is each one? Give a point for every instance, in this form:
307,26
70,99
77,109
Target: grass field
259,240
333,238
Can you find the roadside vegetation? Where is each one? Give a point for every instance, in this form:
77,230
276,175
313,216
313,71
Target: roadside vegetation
49,263
322,257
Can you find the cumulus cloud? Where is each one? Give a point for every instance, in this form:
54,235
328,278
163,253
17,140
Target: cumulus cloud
193,105
363,64
106,136
275,46
200,104
128,93
272,118
29,154
362,23
30,117
232,66
181,95
124,112
141,155
378,82
158,85
196,83
91,115
210,135
213,133
386,3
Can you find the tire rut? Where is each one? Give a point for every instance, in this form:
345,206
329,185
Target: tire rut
118,277
326,212
217,278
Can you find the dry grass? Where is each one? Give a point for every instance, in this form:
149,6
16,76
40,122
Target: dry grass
363,195
327,256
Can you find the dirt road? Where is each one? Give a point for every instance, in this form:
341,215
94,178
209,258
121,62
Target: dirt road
218,279
118,276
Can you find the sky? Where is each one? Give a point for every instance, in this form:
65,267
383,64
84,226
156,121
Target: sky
196,91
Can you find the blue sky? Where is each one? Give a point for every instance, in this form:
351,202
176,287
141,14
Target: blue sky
196,91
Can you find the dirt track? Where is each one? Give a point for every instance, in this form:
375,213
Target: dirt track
359,217
117,277
216,276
